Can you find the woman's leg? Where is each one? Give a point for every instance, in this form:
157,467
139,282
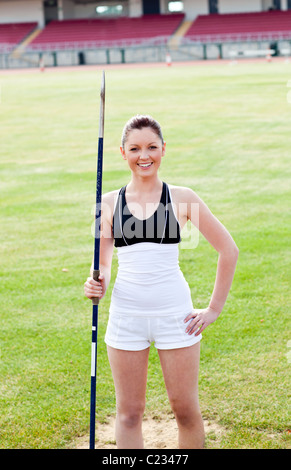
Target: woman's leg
129,370
180,368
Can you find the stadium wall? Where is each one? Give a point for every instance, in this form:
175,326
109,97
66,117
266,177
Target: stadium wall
22,12
67,10
139,54
229,6
14,11
192,8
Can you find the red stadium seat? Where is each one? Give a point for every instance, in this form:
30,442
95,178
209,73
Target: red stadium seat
243,25
12,34
107,31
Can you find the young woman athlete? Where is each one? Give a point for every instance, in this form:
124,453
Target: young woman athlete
151,299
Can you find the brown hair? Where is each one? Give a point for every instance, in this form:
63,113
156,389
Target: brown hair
139,122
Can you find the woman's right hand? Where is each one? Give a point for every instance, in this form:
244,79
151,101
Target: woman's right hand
93,289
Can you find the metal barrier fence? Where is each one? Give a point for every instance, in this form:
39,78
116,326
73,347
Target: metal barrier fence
120,54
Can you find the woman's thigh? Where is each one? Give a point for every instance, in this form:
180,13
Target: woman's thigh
180,369
129,371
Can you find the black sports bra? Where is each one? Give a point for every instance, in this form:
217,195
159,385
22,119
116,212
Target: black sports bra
161,227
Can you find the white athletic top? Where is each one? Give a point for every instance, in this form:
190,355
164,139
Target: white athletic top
150,282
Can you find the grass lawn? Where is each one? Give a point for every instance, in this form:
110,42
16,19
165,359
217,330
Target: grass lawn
227,130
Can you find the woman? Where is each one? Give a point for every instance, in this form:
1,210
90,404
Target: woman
151,299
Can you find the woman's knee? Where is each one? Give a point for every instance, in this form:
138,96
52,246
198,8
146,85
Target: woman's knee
131,416
186,414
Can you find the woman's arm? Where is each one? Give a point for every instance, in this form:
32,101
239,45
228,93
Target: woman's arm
94,288
221,240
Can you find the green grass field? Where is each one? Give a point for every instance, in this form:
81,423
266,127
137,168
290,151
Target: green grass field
227,130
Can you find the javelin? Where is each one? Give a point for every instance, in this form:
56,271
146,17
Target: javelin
96,271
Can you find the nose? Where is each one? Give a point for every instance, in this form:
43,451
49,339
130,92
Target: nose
144,155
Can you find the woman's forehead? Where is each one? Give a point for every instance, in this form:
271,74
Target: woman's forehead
146,133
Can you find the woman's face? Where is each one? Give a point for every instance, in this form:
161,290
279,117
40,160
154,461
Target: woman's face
143,151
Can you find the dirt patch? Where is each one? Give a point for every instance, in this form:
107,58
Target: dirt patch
158,432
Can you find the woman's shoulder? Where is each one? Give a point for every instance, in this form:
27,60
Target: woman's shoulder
110,196
108,204
109,201
182,194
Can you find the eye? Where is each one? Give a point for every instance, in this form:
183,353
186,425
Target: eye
133,149
153,147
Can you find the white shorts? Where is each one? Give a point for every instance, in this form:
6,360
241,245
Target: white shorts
134,333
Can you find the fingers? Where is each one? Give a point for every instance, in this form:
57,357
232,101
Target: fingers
93,289
193,314
195,320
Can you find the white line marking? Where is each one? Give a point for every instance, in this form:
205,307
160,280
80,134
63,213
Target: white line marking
93,359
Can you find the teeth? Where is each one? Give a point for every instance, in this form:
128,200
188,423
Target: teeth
144,165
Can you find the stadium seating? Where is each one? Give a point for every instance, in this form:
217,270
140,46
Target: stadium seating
12,34
107,31
241,25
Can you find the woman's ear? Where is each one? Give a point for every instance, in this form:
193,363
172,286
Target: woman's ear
123,153
164,149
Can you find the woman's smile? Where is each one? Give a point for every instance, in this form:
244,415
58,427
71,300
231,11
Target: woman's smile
145,165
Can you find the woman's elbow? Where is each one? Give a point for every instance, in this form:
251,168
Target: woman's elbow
235,249
230,251
233,252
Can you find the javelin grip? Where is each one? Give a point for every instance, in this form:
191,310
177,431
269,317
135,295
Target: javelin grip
96,274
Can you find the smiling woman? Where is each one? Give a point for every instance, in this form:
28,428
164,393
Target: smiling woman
143,150
151,299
